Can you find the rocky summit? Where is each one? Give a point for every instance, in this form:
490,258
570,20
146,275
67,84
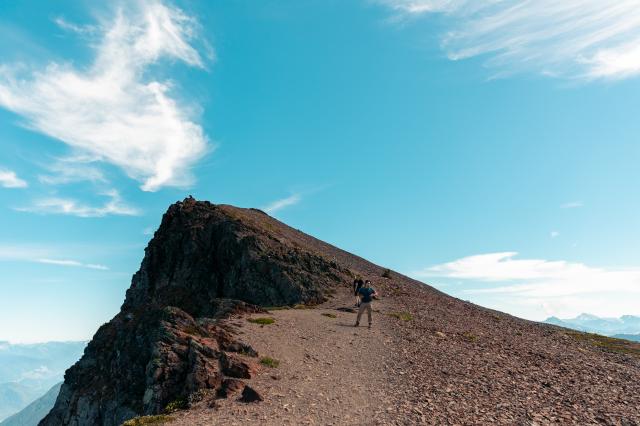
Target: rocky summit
205,262
199,341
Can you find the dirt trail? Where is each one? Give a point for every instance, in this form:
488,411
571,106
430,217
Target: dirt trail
442,364
330,372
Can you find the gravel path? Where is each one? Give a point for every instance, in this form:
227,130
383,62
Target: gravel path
427,360
329,373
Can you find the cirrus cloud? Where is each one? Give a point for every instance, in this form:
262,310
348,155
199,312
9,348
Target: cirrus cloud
587,39
115,205
282,203
43,255
556,286
114,110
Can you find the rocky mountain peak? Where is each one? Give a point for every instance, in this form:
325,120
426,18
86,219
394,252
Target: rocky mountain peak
204,262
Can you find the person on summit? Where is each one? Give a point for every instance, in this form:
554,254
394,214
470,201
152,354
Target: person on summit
357,285
366,294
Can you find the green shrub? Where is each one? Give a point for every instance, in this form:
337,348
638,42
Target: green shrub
277,308
301,306
327,314
193,330
610,344
178,404
269,362
404,316
148,420
386,273
470,336
262,320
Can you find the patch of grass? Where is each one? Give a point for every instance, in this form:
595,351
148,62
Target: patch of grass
178,404
404,316
269,362
386,273
277,308
301,306
327,314
470,336
200,395
193,330
247,350
262,320
610,344
148,420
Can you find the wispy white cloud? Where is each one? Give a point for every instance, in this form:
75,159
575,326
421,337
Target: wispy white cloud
572,205
9,179
282,203
42,255
66,25
114,110
66,262
115,205
562,287
554,234
572,38
70,170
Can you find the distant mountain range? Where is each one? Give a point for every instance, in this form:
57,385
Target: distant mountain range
28,371
34,412
625,327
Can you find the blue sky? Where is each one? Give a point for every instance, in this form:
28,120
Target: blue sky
487,148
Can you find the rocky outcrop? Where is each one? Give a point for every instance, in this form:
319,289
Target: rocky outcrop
203,253
168,342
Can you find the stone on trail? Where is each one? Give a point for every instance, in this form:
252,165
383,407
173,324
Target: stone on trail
249,394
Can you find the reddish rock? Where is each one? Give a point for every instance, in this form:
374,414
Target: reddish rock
231,387
234,365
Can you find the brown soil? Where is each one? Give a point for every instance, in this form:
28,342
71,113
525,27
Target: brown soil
329,372
415,367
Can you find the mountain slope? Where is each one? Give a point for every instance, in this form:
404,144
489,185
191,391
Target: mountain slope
36,411
430,357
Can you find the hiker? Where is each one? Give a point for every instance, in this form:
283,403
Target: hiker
357,285
366,294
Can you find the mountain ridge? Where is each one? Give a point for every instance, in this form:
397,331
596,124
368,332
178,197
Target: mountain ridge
28,370
35,411
626,324
182,340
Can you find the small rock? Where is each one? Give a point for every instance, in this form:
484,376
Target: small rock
235,366
230,387
249,394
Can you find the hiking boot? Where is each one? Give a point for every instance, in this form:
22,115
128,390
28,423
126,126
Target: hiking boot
369,325
357,324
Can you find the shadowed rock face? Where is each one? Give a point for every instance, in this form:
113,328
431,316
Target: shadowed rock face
203,252
205,262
